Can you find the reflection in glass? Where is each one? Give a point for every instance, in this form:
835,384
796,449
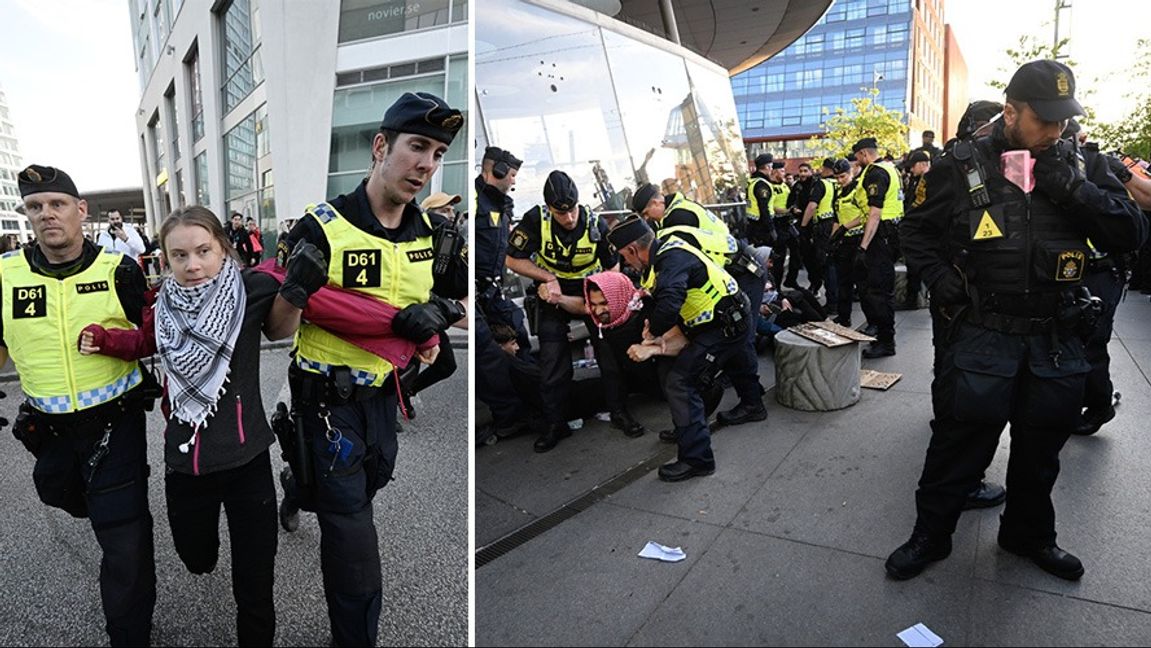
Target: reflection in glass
609,110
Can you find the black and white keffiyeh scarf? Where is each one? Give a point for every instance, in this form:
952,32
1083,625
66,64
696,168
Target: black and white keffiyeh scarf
196,332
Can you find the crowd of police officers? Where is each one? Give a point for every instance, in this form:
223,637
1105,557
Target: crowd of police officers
1022,288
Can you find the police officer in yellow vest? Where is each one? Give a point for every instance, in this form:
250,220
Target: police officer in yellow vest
818,216
83,417
850,216
693,292
759,225
381,244
786,235
556,245
690,221
879,182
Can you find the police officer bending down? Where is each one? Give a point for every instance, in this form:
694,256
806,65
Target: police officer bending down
83,417
693,292
567,242
378,242
1005,269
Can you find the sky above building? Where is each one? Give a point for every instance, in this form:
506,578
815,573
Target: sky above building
67,68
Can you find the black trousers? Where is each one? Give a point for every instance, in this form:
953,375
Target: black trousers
815,255
984,380
113,494
248,498
785,244
745,375
879,299
556,364
686,396
1107,285
345,482
847,277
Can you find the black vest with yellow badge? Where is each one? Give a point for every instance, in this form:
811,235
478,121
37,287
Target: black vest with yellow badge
43,318
1020,244
574,261
399,274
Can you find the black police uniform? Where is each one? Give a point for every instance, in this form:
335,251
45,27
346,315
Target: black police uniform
343,501
1011,352
327,399
711,349
879,298
815,242
552,322
94,463
493,224
786,244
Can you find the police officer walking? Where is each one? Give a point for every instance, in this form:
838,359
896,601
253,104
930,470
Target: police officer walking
691,222
693,292
493,224
556,245
879,182
1014,349
381,244
83,415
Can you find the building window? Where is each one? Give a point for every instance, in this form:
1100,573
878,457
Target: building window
241,56
156,135
201,173
247,172
174,122
196,95
360,19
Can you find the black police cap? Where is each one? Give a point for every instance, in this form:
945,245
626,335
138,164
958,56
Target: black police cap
497,154
41,179
841,166
763,159
560,192
777,165
918,156
977,114
865,143
829,163
1048,87
627,232
422,113
643,196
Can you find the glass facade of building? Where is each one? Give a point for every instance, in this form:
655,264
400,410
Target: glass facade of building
562,93
361,19
857,44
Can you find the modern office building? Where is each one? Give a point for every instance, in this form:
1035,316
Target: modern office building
264,106
955,97
894,46
11,221
620,94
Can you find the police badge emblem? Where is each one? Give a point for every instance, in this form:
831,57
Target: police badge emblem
1070,265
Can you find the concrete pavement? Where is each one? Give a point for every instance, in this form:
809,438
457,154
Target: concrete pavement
786,542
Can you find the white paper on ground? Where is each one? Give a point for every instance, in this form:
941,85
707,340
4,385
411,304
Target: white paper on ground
919,635
657,551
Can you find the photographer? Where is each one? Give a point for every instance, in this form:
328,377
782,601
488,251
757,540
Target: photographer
120,238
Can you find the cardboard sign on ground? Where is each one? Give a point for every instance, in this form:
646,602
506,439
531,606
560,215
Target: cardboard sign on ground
877,380
829,334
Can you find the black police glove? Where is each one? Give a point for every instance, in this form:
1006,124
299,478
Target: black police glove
1057,178
949,289
419,322
307,272
1119,169
860,263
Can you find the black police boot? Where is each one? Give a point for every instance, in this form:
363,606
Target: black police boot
1093,419
622,420
987,495
879,349
843,321
552,436
668,436
917,553
869,329
289,508
681,470
1050,558
743,413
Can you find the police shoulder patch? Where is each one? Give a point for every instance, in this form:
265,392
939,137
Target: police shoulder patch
920,193
519,240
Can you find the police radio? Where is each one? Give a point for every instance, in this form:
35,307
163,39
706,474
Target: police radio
446,244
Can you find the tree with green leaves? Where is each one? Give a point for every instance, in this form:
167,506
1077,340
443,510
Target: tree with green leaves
866,118
1132,133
